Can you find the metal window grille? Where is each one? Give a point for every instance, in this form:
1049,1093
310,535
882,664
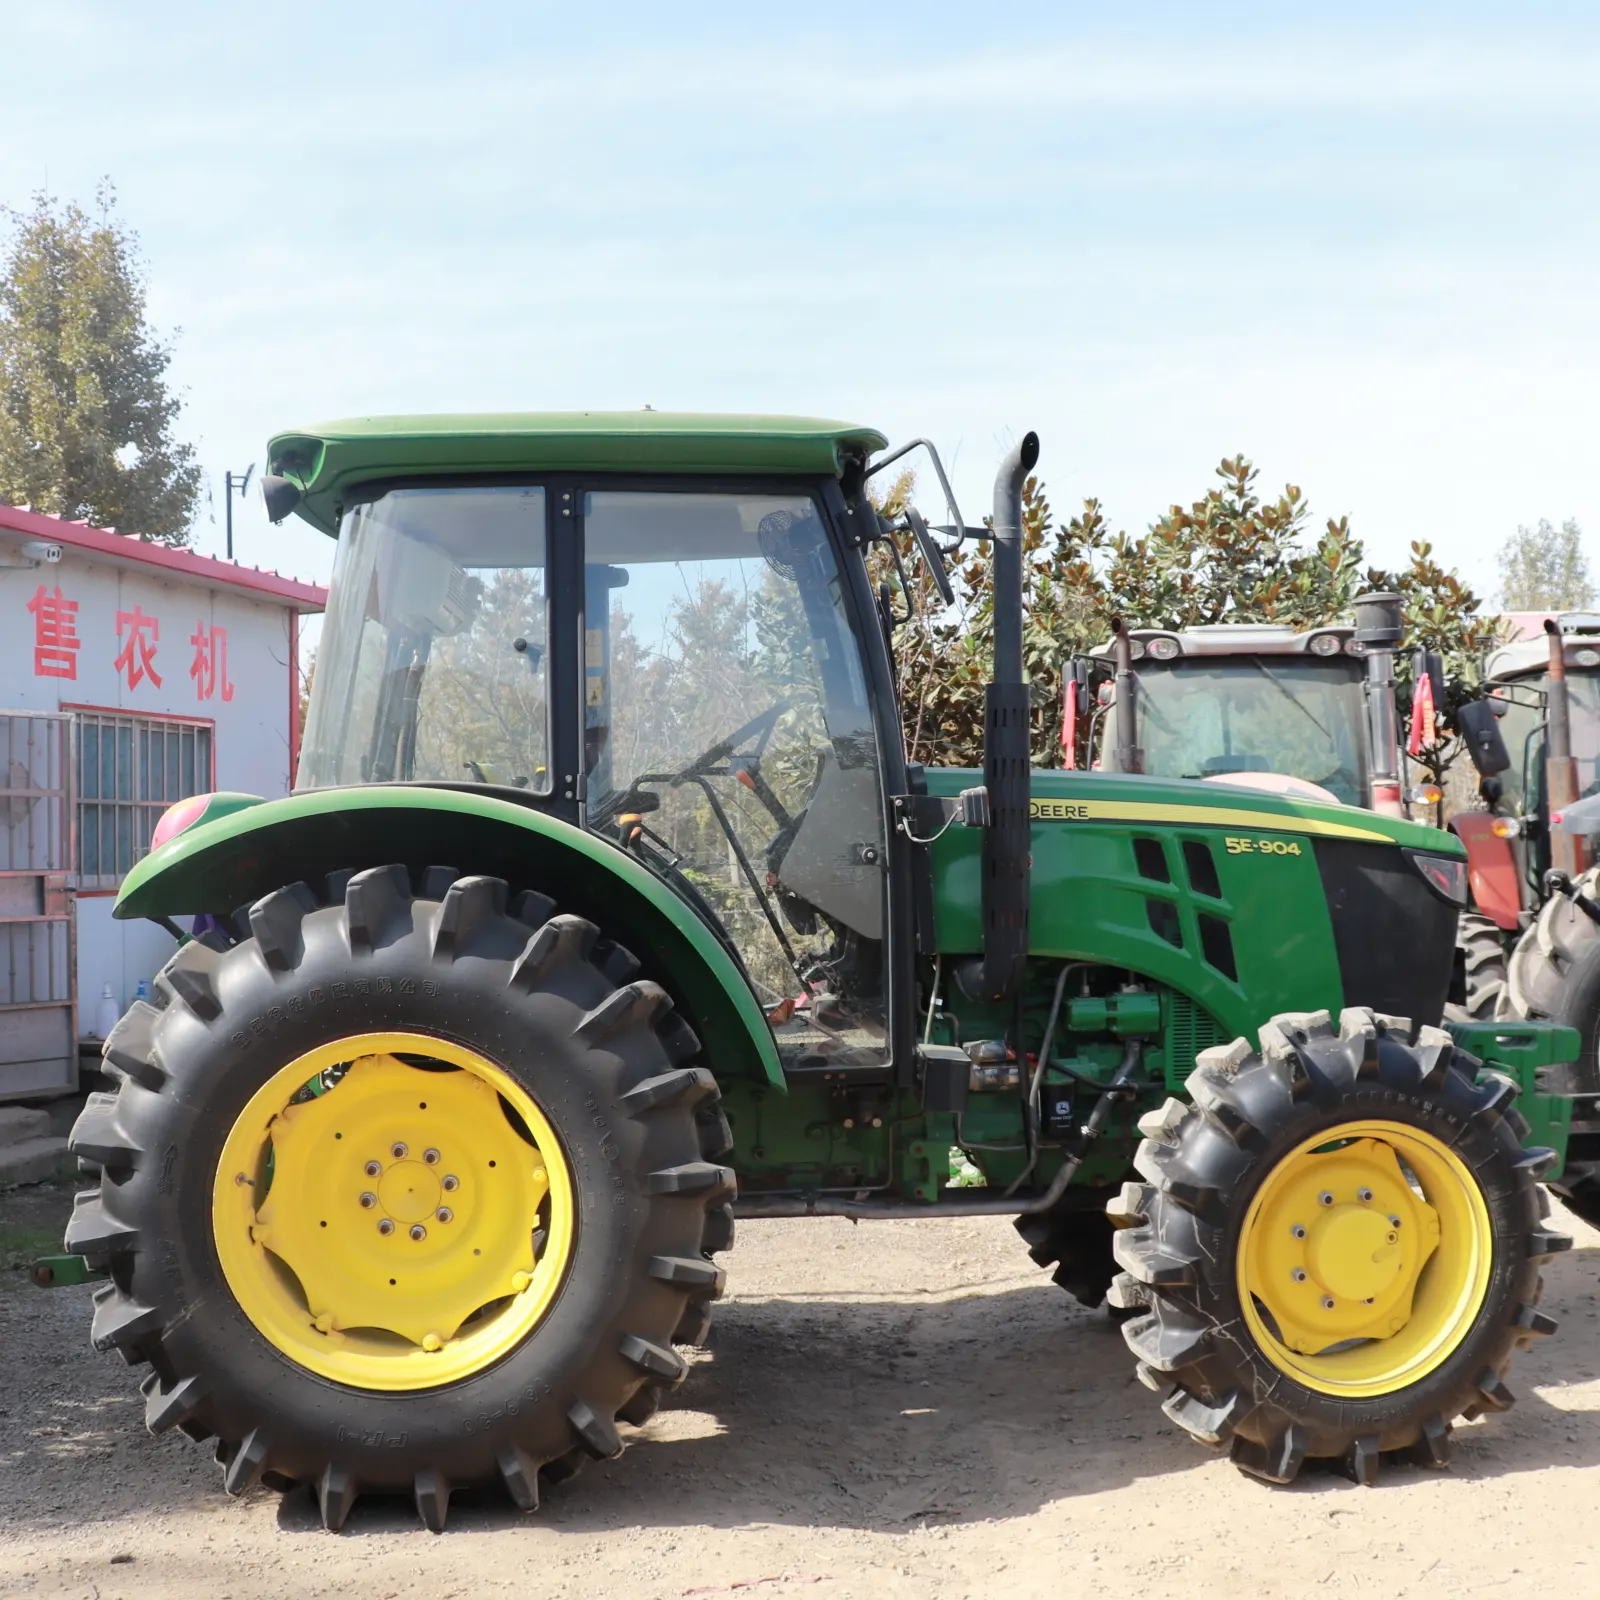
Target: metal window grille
129,770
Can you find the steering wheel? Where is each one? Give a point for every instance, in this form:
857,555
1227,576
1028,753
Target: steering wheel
702,765
762,724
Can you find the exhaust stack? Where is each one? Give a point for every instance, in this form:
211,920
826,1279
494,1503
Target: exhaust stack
1567,850
1006,764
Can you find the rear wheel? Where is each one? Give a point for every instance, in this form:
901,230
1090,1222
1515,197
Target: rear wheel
1337,1249
1483,957
1554,976
404,1194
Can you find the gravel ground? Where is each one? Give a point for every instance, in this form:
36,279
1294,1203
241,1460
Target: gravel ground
899,1409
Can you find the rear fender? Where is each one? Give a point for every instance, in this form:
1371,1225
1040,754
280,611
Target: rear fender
232,860
1491,869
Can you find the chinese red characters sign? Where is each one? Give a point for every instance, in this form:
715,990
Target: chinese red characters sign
56,646
55,634
210,666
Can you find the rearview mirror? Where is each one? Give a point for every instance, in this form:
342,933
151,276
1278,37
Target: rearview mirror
1480,732
932,556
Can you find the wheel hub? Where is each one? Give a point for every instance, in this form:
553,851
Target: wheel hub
408,1192
405,1227
1354,1253
1338,1244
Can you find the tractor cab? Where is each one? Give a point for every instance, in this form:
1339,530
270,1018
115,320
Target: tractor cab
1253,704
675,662
1543,688
1517,682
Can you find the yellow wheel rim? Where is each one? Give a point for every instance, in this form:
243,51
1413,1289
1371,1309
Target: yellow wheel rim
388,1225
1364,1259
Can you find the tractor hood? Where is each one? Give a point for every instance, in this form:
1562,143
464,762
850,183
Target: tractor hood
1130,799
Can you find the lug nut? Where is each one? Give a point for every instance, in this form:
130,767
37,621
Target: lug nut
386,1227
368,1200
1297,1231
1364,1196
418,1232
451,1183
431,1157
398,1151
1327,1302
445,1214
373,1168
1298,1274
1394,1222
1324,1199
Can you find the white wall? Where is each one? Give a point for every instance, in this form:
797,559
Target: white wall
251,732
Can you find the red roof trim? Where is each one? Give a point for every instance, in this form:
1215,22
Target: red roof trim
184,563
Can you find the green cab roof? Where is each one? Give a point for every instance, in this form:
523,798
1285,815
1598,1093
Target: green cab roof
332,460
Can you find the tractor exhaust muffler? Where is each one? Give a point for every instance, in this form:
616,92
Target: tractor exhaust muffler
1006,758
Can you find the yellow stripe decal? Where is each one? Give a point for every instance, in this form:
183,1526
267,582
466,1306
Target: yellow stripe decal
1196,817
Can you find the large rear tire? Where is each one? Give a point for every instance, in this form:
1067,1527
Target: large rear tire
404,1195
1554,976
1337,1249
1483,954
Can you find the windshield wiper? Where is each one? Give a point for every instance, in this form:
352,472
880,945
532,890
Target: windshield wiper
1288,694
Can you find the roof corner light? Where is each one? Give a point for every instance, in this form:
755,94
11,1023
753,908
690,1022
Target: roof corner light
176,818
1163,648
1354,647
1586,657
1326,644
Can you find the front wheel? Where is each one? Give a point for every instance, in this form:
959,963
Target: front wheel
1338,1246
404,1194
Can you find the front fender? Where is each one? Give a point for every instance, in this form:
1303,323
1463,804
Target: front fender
232,860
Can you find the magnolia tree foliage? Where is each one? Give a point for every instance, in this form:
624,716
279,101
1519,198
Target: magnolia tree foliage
86,414
1230,556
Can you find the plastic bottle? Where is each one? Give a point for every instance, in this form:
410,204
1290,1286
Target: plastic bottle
143,991
106,1013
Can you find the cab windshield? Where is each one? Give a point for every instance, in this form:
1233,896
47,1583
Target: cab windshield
1522,728
1201,718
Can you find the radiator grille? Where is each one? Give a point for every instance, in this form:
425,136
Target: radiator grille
1190,1029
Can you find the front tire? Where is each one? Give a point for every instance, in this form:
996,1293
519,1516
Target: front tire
353,1329
1337,1250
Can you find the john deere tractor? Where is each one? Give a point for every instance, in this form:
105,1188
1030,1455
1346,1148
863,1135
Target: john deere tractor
607,895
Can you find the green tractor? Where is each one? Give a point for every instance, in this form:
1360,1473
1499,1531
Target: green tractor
607,895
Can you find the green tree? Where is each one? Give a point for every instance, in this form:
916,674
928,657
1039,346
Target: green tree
86,414
1543,568
1230,556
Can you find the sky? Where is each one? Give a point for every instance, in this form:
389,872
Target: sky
1356,242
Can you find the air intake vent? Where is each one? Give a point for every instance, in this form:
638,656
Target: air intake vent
1201,866
1151,860
1216,945
1164,920
1190,1030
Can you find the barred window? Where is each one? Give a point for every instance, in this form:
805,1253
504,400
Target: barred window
129,770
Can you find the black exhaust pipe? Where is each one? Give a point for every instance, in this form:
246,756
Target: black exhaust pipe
1006,764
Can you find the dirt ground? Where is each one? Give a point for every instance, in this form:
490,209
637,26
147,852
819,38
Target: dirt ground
899,1409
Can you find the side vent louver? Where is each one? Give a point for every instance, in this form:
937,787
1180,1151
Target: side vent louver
1201,866
1150,858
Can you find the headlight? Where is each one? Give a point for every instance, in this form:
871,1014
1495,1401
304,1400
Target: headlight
1445,875
1326,644
1164,649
